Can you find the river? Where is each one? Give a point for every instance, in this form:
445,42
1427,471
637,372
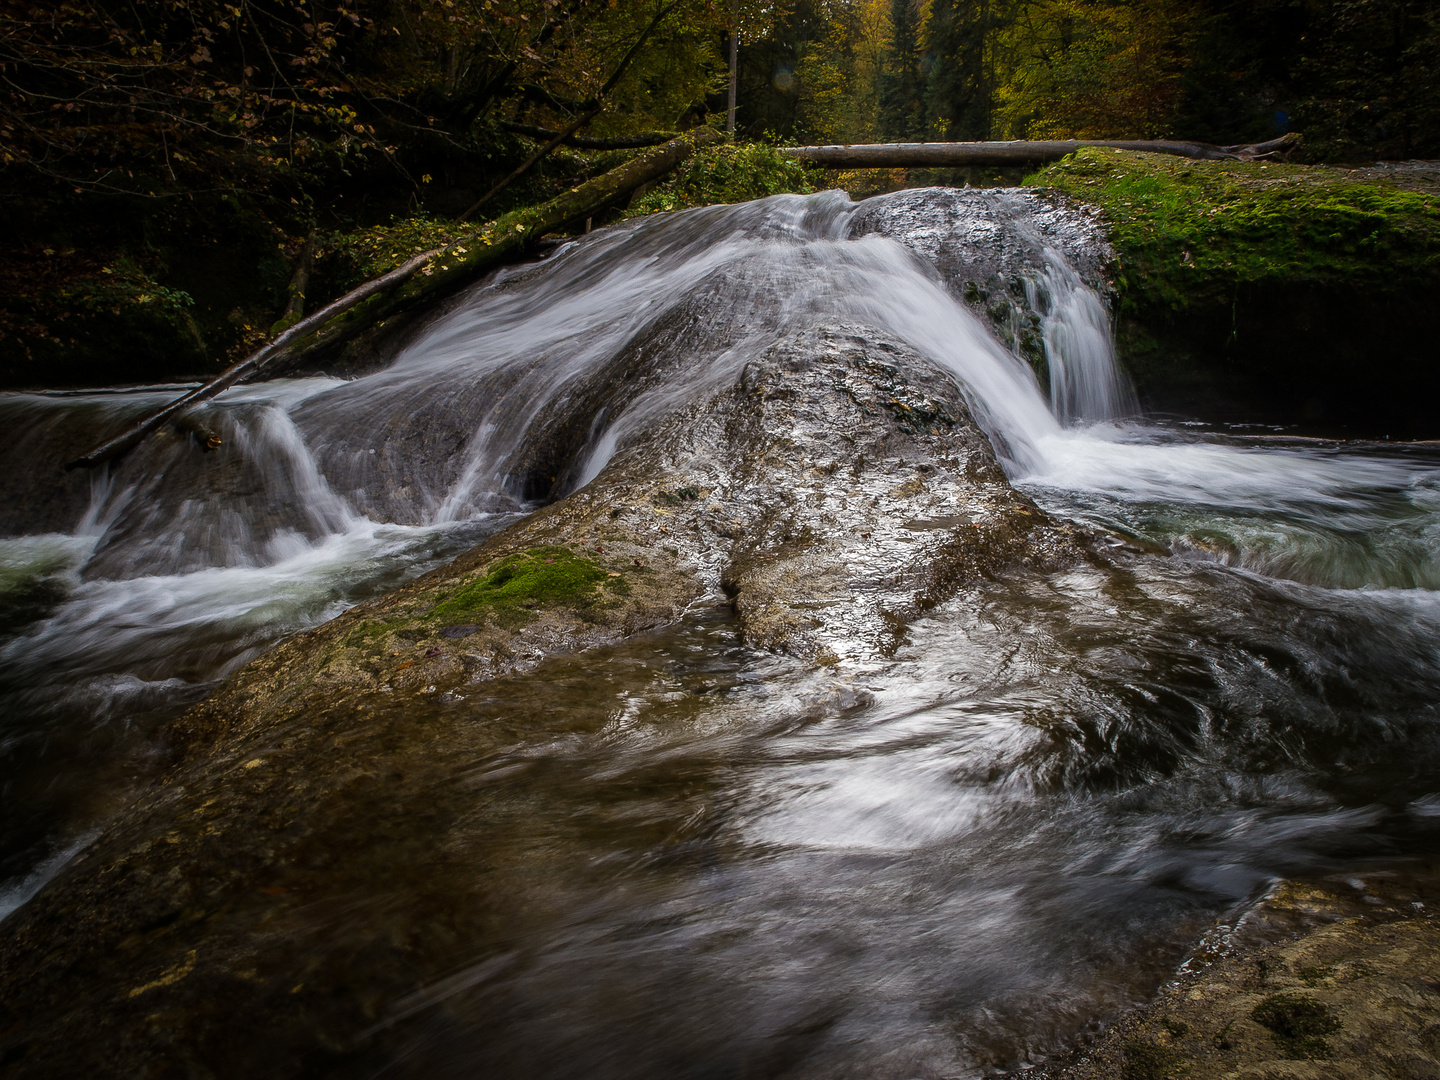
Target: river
705,860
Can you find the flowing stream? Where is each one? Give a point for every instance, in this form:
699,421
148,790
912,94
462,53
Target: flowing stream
707,861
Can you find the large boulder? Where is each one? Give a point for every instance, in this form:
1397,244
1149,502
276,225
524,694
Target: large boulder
833,492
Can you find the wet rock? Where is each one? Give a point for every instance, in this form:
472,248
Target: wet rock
791,493
1318,981
986,243
464,630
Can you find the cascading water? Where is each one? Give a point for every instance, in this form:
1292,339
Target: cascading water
1011,829
1085,384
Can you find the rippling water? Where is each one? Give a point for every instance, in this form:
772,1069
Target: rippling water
684,857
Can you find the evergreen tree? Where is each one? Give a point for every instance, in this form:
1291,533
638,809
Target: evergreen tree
902,109
960,90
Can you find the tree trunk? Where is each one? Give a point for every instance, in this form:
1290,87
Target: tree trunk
424,278
734,66
295,292
951,155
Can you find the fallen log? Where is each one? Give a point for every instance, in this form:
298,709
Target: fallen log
1019,152
425,277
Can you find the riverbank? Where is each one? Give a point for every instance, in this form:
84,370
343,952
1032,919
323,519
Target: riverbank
1278,293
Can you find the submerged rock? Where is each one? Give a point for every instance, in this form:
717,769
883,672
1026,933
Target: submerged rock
1319,980
835,491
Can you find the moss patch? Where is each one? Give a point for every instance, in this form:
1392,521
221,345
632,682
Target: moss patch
367,632
1298,1023
1189,230
728,173
519,585
1267,291
353,258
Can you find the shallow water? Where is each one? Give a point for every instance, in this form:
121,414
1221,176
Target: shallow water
684,857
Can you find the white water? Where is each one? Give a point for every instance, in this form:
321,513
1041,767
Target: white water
950,862
183,566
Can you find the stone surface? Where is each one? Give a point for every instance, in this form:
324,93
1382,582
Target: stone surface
837,490
1320,980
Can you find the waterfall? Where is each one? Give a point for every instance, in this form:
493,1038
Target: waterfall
1053,773
1086,384
126,592
542,371
184,563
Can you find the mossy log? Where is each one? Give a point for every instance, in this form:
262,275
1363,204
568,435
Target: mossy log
424,278
1019,152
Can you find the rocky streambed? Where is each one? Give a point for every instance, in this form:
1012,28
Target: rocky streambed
821,704
836,491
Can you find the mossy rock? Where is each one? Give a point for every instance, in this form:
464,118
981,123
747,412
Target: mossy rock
1190,231
518,585
1299,1024
1269,291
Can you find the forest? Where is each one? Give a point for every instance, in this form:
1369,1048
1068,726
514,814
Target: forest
147,148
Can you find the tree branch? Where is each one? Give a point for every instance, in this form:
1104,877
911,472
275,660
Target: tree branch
592,110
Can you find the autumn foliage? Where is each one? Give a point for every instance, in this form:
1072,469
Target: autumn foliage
163,162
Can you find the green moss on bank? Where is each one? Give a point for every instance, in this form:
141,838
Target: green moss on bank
352,258
520,584
1270,292
727,173
1190,231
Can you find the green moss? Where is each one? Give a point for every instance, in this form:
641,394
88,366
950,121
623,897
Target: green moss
1298,1023
1272,292
1191,231
727,173
518,585
367,632
353,258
